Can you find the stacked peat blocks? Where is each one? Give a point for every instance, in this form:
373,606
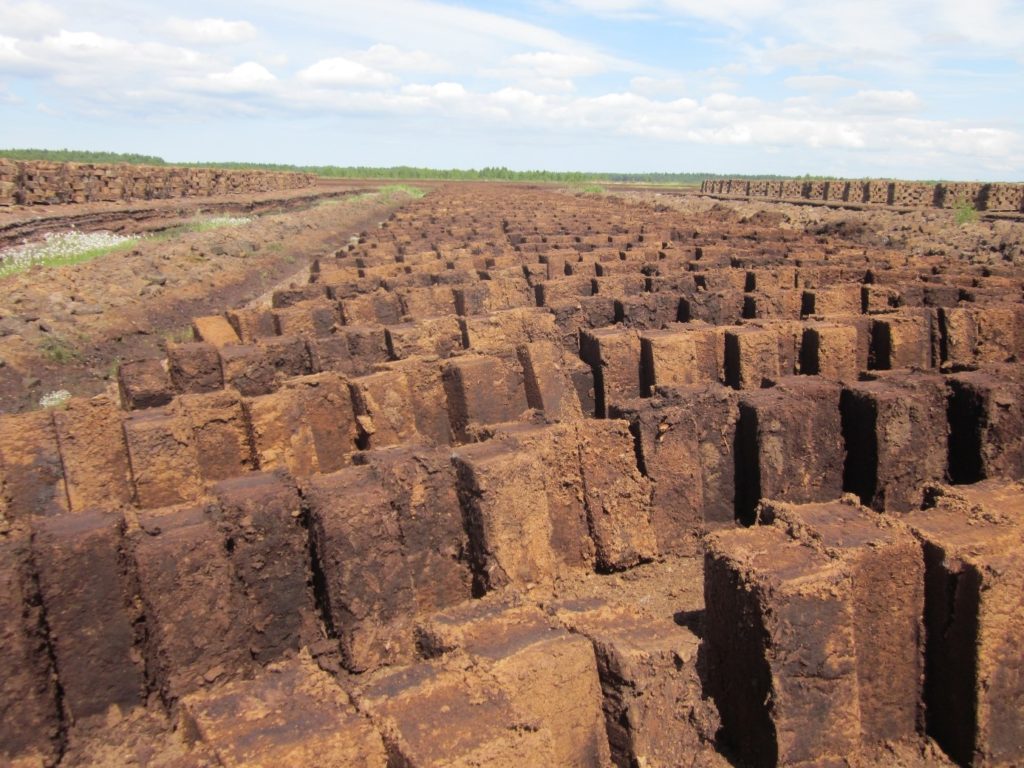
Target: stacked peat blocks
1003,198
522,478
35,182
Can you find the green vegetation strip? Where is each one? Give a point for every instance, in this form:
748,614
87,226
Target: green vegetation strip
201,225
586,189
400,172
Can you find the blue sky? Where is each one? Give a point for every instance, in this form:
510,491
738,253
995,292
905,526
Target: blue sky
907,88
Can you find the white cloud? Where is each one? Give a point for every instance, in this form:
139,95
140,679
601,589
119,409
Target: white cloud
558,65
998,23
339,71
83,48
733,13
210,30
658,86
440,28
771,56
390,58
29,18
519,98
860,32
728,102
882,102
819,83
83,45
550,71
12,57
436,93
245,78
91,64
466,39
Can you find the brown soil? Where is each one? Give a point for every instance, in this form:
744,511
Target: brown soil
522,477
69,328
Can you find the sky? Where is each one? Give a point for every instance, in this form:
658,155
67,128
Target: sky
923,89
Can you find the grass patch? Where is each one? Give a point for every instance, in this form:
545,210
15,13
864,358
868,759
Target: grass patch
181,335
206,224
346,200
965,213
586,189
57,350
401,189
387,194
62,249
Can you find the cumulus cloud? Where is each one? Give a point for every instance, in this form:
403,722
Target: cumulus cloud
435,95
819,83
29,18
885,102
390,58
84,60
199,31
339,71
658,86
83,45
248,77
549,71
444,90
558,65
12,58
85,48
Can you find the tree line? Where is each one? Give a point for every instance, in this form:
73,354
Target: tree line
490,173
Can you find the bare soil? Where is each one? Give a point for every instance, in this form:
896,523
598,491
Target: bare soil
69,328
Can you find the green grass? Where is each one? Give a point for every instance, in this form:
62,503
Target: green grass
57,350
203,224
180,335
92,253
387,194
964,213
401,189
586,189
346,200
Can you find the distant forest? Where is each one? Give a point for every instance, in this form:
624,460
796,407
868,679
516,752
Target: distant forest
394,172
79,156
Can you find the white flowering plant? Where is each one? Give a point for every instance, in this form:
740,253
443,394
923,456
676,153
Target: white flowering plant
56,399
206,223
59,249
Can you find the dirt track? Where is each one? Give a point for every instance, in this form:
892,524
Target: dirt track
528,478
